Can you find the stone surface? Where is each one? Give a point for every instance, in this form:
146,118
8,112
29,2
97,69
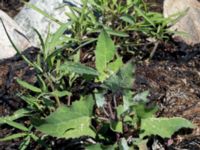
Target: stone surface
190,23
28,17
15,32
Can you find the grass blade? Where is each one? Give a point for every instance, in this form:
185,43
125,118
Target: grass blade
40,38
144,16
16,125
29,86
13,136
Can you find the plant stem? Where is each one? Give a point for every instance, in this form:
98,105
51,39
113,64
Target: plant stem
68,100
106,113
103,118
53,89
154,50
114,101
111,111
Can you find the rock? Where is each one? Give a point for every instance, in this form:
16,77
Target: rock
16,34
190,23
28,17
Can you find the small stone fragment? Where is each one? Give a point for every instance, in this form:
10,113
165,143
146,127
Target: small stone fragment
29,18
190,23
16,34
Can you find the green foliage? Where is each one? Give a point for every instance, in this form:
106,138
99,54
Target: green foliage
100,100
122,80
16,115
124,145
105,52
10,120
164,127
78,68
29,86
68,122
60,93
13,136
116,126
100,147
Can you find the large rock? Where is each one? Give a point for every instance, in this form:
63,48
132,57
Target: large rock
28,18
15,32
190,23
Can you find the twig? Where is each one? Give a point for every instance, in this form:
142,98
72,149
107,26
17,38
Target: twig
154,50
53,89
114,101
105,112
69,100
111,111
103,118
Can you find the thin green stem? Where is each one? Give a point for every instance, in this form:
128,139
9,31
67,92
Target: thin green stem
53,89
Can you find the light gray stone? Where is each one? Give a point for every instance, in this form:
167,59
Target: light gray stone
190,23
16,34
28,18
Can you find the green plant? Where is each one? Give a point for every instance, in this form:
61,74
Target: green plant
99,99
121,19
25,132
129,22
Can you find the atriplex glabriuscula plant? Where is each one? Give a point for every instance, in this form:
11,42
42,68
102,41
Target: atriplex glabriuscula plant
100,98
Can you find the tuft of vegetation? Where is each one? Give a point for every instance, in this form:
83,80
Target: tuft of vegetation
92,97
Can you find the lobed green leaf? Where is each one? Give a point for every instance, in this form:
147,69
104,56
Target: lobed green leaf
164,127
68,122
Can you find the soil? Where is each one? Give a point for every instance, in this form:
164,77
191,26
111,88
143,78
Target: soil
172,76
11,69
173,79
11,7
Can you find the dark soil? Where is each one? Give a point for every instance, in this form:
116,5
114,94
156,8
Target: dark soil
11,7
172,77
11,69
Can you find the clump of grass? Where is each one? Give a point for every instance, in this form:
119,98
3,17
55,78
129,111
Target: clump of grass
74,99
